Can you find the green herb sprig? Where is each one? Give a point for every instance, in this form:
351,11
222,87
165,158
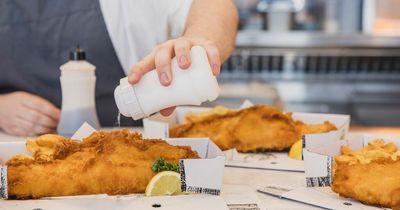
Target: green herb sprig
162,165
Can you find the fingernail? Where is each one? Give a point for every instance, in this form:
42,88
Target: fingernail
132,77
164,78
215,69
182,59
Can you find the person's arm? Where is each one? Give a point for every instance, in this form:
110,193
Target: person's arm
211,24
215,21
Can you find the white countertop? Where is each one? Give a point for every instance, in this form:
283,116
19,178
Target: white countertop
254,178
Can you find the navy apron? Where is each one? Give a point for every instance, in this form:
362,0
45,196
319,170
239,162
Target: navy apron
36,37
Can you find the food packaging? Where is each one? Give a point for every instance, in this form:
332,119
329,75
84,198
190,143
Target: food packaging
318,174
157,126
105,202
322,197
319,160
202,175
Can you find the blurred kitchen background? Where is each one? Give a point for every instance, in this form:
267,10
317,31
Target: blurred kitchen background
329,56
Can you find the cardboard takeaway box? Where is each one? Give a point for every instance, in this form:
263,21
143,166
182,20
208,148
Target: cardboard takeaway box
202,175
157,126
318,173
319,160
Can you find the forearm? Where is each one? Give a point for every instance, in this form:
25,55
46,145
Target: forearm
211,24
216,20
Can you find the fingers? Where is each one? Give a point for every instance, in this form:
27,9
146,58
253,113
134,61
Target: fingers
145,65
31,128
17,131
31,123
20,129
160,59
167,111
163,58
34,116
44,107
213,58
182,51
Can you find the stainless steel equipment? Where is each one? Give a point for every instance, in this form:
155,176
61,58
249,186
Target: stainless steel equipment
353,74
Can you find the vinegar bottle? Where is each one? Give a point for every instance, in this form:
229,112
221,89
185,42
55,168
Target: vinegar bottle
191,86
78,83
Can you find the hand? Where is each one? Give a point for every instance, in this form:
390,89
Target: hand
24,114
160,59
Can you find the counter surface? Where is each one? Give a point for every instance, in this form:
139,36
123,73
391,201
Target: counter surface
256,179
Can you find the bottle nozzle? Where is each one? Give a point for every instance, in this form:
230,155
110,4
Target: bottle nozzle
78,54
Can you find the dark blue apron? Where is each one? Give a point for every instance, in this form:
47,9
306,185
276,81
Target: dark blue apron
36,37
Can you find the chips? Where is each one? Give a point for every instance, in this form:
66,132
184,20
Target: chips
375,150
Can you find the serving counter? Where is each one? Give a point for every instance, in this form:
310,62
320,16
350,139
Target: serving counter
238,182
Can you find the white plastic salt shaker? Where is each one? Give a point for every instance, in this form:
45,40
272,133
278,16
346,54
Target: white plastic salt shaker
191,86
78,83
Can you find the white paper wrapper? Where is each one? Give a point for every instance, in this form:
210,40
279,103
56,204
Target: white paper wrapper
322,197
266,160
131,202
241,197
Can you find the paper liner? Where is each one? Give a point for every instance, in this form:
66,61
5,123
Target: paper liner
3,182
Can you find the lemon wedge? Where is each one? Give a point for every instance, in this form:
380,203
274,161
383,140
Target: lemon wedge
296,150
164,183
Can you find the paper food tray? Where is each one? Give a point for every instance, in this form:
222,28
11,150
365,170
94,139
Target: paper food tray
158,126
202,175
241,197
320,197
265,160
183,202
232,197
318,161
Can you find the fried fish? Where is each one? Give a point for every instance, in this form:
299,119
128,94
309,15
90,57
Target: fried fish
370,175
117,162
248,130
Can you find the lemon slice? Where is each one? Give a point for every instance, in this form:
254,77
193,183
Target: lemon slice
296,150
164,183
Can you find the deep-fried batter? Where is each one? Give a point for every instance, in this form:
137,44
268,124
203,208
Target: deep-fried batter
315,128
370,175
115,162
248,130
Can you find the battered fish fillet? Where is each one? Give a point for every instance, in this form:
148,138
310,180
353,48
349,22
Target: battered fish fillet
371,175
315,128
115,162
247,130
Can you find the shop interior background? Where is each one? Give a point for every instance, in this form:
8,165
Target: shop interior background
329,56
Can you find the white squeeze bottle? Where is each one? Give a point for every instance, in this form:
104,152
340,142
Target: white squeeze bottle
78,83
191,86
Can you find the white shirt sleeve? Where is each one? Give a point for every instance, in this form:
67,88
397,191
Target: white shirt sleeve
137,26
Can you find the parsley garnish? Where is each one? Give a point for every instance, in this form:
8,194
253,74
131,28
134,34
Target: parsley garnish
162,165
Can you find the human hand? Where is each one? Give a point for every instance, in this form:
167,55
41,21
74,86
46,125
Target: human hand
160,59
25,114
